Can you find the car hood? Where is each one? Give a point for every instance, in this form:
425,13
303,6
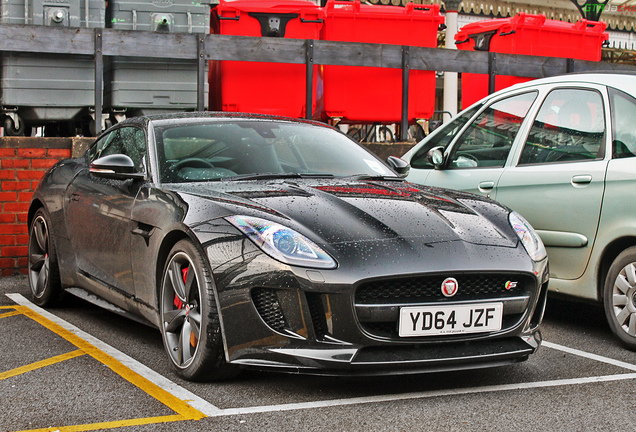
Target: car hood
338,212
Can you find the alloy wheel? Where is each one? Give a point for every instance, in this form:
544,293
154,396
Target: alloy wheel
181,310
39,261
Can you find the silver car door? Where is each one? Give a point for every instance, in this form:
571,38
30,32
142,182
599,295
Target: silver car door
558,181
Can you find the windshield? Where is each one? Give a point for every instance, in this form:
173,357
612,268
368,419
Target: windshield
211,149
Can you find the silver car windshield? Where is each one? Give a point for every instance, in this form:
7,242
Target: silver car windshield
213,149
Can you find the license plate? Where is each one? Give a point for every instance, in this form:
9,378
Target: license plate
450,319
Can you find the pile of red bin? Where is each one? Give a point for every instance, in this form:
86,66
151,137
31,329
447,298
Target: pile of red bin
372,94
350,94
530,35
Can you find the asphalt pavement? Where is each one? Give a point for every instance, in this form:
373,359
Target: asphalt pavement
78,367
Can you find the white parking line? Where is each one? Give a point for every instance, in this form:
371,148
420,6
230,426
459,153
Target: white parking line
423,395
590,356
212,411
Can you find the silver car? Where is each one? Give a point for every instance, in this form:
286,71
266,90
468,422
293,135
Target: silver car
561,151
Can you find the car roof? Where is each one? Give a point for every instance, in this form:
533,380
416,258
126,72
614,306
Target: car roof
625,81
216,115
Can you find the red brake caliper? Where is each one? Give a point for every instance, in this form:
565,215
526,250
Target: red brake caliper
177,301
179,304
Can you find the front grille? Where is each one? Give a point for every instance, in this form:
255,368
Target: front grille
383,295
267,304
423,289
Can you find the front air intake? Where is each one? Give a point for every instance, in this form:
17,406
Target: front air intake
267,304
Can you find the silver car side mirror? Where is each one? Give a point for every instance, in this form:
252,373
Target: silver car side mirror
435,157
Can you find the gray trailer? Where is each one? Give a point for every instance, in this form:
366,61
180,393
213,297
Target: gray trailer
137,86
51,90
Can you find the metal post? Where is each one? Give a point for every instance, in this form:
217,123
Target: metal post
201,75
404,124
451,79
309,79
492,71
99,81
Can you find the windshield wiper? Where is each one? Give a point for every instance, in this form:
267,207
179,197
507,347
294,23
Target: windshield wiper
275,176
374,177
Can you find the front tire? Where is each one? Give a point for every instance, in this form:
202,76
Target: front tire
190,323
44,275
619,297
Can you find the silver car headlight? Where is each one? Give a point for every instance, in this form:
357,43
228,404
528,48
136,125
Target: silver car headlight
282,243
529,238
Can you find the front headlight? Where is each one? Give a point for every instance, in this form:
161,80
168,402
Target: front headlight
529,238
282,243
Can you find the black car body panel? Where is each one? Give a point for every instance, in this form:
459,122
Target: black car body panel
393,243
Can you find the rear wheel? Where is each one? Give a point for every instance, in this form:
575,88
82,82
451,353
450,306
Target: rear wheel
619,297
190,323
44,276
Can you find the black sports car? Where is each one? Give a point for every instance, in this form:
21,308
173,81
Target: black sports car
276,243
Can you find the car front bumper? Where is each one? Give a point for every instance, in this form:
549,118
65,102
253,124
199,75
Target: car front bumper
275,316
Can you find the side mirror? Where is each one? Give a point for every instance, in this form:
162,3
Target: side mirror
117,166
401,167
435,157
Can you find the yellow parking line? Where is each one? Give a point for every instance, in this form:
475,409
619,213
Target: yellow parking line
111,425
10,314
183,410
144,384
40,364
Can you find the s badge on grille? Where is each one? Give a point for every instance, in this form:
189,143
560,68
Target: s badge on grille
450,287
511,284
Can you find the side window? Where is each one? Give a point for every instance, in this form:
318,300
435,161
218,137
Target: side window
95,150
623,114
442,138
130,141
570,126
487,141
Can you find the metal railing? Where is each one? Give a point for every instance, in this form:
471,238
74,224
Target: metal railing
100,42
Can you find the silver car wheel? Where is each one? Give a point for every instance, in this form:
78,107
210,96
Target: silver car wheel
619,297
624,299
39,256
181,310
43,270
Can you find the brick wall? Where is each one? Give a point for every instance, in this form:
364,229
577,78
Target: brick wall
23,162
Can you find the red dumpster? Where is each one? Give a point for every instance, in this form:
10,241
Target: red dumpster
258,87
530,35
373,94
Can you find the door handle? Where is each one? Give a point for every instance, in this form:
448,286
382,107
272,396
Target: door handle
582,179
486,185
